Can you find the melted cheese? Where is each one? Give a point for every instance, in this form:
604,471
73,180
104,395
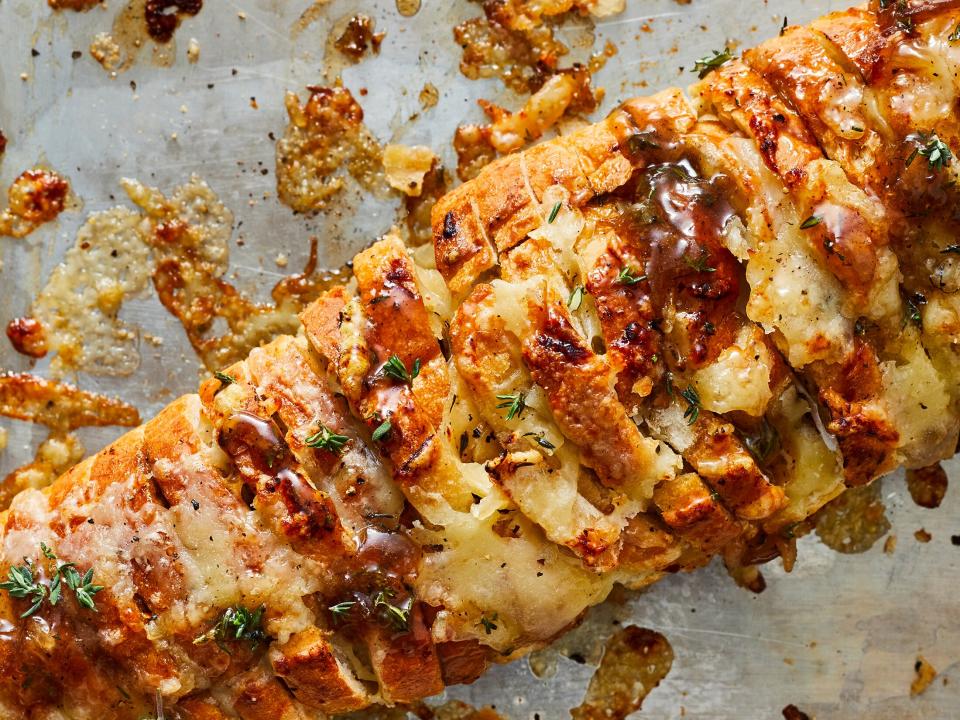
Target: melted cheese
79,305
739,379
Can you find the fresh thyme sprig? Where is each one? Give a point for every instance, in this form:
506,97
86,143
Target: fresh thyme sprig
708,63
516,402
931,147
489,624
399,616
541,440
383,429
692,413
342,609
626,276
82,586
22,584
395,369
326,439
554,212
235,624
700,264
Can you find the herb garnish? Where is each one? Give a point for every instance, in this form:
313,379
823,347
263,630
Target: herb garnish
383,429
82,587
693,400
626,276
517,402
224,378
763,442
541,440
554,212
708,63
641,141
488,624
576,297
810,222
930,146
237,623
955,35
394,368
399,616
327,439
342,609
912,311
21,584
699,264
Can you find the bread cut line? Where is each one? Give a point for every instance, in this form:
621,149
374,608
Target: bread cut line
670,335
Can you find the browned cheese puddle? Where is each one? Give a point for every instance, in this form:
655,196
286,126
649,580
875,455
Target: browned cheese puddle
183,248
62,408
358,36
323,135
854,521
927,485
635,660
37,196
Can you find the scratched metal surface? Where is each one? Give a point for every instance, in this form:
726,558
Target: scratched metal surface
838,637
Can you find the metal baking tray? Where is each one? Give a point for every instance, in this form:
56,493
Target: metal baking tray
838,637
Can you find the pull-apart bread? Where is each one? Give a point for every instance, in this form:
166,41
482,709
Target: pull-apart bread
673,334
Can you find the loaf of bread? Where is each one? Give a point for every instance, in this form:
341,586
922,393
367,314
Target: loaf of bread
671,335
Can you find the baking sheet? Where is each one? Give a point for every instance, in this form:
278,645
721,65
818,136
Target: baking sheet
838,637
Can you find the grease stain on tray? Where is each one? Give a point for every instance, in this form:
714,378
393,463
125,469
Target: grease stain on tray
855,521
635,661
927,485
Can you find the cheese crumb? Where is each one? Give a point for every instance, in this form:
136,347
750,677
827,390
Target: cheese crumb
406,166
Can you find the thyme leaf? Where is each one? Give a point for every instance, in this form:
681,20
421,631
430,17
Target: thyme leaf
517,403
708,63
327,440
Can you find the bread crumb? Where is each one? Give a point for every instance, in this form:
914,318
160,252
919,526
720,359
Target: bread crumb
890,544
193,51
281,260
923,536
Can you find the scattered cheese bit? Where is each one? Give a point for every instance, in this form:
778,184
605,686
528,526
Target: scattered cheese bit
406,166
925,675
